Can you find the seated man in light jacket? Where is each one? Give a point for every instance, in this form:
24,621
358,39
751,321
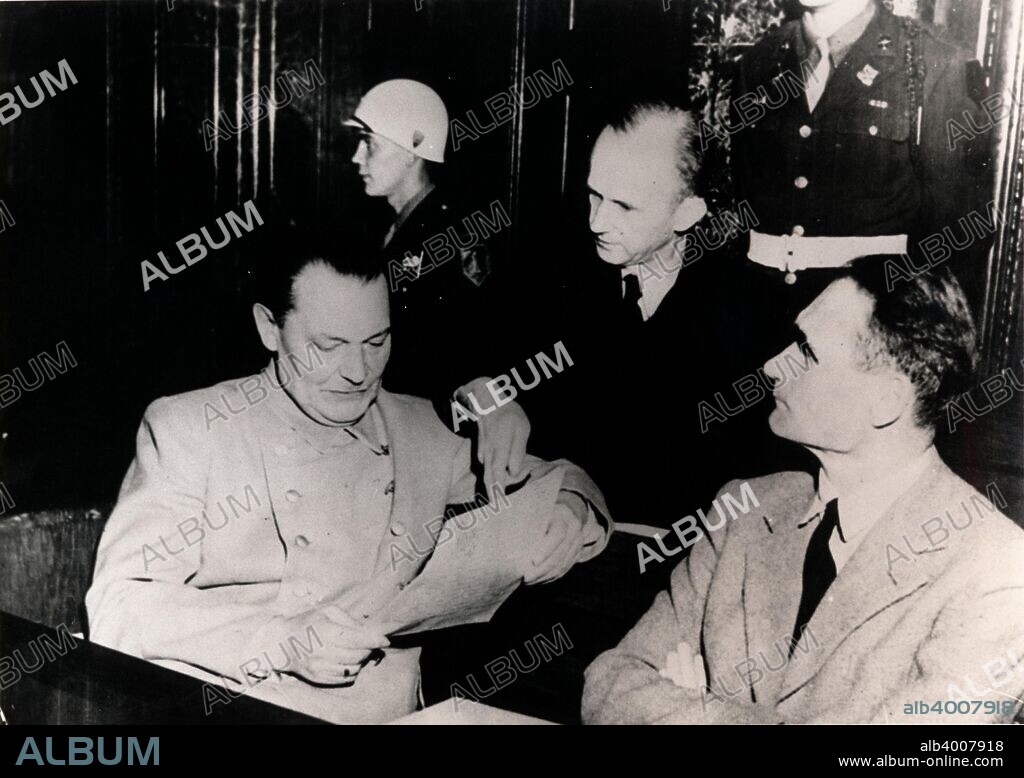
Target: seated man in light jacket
887,590
265,521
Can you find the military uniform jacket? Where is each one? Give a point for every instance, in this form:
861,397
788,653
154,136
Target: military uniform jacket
854,167
438,265
221,524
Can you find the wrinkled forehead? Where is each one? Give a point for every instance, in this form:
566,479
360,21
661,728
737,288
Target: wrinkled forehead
841,313
341,306
636,165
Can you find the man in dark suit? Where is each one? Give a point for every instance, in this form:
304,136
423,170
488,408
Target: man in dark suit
641,327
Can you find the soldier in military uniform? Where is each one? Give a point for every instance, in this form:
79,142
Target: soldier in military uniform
438,264
841,149
436,258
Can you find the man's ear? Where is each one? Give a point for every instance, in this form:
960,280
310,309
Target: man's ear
267,327
894,398
690,211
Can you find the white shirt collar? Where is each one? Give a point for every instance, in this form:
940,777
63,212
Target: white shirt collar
861,507
656,280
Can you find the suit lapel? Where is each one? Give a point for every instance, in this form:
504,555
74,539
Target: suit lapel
868,584
772,584
787,64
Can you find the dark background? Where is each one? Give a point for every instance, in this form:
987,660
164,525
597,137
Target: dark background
112,170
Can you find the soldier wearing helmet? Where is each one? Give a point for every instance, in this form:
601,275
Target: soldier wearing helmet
437,263
403,127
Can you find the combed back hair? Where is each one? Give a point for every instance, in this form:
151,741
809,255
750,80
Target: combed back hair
287,251
628,116
922,327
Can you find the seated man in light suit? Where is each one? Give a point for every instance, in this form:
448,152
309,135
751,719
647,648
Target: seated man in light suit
862,595
334,473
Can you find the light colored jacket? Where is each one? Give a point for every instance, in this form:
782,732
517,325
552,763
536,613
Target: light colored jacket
929,608
217,527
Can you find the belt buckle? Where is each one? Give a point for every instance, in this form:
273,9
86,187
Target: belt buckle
787,246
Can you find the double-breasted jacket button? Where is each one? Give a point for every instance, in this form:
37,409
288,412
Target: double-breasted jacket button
805,131
292,496
801,182
397,528
301,541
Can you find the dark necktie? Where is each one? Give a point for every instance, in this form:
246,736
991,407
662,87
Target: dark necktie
819,570
631,312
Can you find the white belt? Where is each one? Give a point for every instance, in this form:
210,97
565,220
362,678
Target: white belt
796,252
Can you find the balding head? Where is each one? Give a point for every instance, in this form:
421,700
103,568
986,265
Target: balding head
641,182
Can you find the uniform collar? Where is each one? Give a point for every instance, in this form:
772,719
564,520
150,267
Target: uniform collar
848,33
369,430
407,209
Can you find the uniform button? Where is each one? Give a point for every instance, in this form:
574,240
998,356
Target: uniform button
301,541
805,131
281,450
801,182
402,585
291,495
390,488
798,230
300,590
398,528
872,130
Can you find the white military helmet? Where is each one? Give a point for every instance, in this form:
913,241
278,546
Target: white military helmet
408,113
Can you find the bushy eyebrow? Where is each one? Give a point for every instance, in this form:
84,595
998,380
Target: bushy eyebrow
798,336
